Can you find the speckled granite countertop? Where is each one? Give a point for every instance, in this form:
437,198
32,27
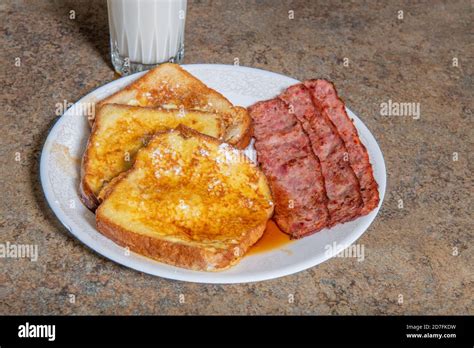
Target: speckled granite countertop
421,252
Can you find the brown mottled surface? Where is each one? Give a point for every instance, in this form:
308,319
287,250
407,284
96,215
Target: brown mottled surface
408,251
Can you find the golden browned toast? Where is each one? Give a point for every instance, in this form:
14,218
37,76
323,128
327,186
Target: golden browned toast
121,130
189,200
170,86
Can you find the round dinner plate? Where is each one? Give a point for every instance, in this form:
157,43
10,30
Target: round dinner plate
60,175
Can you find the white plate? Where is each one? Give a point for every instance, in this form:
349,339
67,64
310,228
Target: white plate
60,172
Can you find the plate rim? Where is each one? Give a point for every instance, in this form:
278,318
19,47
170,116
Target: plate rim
207,277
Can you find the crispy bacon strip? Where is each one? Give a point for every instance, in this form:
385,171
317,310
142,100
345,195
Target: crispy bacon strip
292,169
342,186
325,98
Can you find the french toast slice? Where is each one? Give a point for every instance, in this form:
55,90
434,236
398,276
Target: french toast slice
170,86
189,200
121,130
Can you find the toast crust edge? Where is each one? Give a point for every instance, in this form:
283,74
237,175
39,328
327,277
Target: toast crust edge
135,83
244,140
86,194
178,254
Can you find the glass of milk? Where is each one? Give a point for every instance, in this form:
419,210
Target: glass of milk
145,33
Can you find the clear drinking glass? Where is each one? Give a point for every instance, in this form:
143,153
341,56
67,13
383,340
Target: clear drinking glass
145,33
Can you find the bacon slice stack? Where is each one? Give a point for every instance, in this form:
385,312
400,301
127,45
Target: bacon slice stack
317,167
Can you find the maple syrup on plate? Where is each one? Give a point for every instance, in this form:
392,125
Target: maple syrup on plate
272,238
